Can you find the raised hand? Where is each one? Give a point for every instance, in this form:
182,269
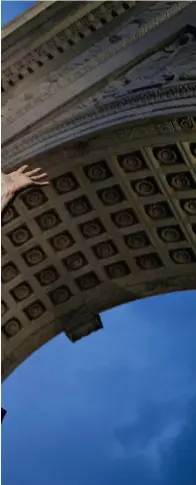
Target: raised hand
18,180
23,177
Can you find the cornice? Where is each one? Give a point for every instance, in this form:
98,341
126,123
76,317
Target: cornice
56,87
83,142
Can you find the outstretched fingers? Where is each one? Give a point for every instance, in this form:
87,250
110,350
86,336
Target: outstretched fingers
39,177
33,172
44,182
35,175
22,169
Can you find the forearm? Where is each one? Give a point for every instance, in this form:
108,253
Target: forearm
5,200
6,191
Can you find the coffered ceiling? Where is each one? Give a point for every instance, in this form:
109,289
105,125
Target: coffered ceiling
105,102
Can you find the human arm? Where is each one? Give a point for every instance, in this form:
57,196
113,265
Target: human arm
20,179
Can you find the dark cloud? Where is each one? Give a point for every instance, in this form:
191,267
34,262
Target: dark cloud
178,457
153,419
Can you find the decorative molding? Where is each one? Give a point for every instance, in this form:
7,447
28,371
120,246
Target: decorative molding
118,220
63,77
31,145
81,20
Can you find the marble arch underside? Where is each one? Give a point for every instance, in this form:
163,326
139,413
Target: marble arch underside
102,95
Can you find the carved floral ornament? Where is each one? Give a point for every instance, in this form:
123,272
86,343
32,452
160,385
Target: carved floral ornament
189,206
183,256
137,240
20,235
33,198
132,162
75,262
146,22
21,291
170,234
128,238
9,272
146,187
34,256
35,310
12,327
65,40
166,155
47,276
62,241
105,250
60,295
97,171
181,181
55,132
14,151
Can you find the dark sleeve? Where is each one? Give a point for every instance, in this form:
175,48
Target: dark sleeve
3,413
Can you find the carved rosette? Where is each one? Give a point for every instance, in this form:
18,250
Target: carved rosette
79,207
146,187
65,183
149,261
9,214
189,206
105,250
92,228
9,272
21,292
75,261
20,235
60,295
62,241
182,256
34,256
117,270
48,220
181,181
166,155
124,218
160,210
111,195
12,327
186,124
170,234
137,240
47,276
35,310
97,172
88,281
34,198
131,162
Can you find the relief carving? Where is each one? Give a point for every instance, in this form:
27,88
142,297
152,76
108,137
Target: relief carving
66,76
120,221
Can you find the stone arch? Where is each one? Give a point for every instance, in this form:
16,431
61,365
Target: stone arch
103,97
117,223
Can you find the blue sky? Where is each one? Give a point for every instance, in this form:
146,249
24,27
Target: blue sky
9,10
117,408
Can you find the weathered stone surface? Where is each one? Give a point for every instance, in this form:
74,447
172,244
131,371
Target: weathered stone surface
110,88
